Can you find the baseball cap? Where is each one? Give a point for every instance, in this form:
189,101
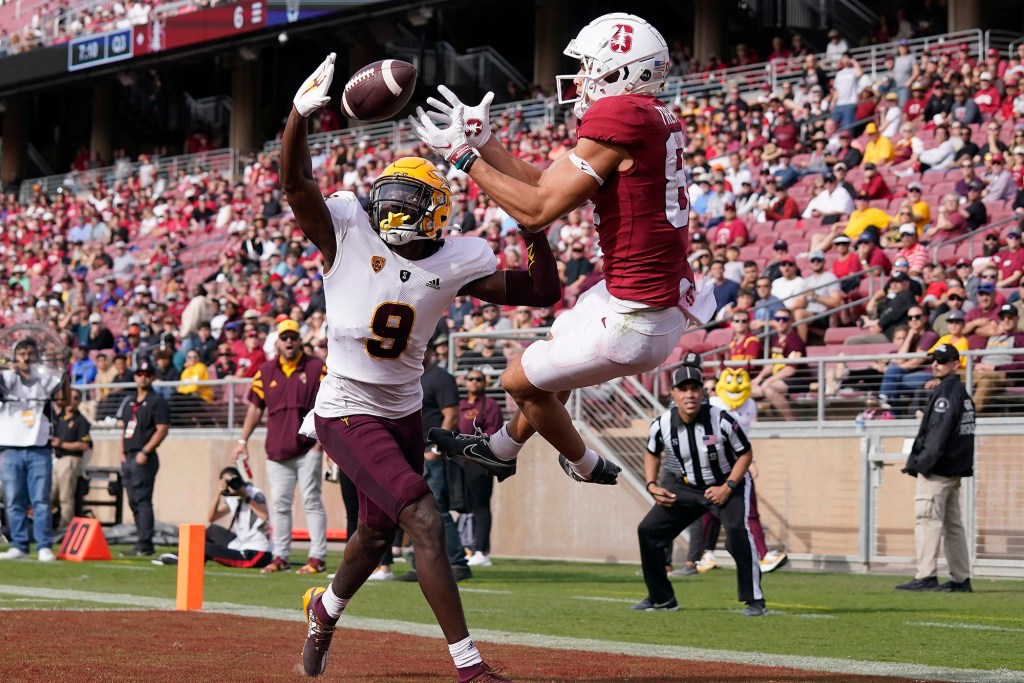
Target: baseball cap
960,262
993,52
286,326
692,359
871,128
954,315
687,374
863,194
845,135
697,237
865,238
251,314
892,96
95,318
443,339
913,186
780,245
141,289
986,288
232,326
488,305
276,277
899,276
817,254
908,229
830,177
955,290
145,368
975,185
1018,150
904,42
134,329
997,159
945,353
985,76
730,207
841,239
1008,309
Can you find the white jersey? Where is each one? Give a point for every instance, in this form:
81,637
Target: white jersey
745,414
382,310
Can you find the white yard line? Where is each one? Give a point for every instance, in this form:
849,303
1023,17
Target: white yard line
967,627
829,664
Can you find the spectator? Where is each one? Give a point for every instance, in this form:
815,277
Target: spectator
939,104
891,117
825,294
913,109
861,218
145,417
903,378
908,145
286,386
878,152
26,466
780,252
993,144
836,49
725,290
847,154
766,305
973,210
994,371
743,345
841,172
978,327
70,442
100,337
911,250
493,319
1010,261
780,206
890,311
1000,185
939,157
478,411
987,96
252,356
195,371
577,267
831,203
83,368
775,382
788,287
964,110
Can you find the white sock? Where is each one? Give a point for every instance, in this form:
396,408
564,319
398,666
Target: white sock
504,446
464,653
333,605
585,465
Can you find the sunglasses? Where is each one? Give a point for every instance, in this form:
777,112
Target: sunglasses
956,298
914,317
577,251
782,320
1013,236
474,379
787,264
287,337
988,277
737,321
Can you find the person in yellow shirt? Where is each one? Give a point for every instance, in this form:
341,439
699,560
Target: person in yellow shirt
195,370
956,337
863,216
879,150
922,212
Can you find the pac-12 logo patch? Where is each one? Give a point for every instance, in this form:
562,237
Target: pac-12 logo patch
404,275
377,263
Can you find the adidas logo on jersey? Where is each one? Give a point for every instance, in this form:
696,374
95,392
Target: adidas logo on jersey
435,284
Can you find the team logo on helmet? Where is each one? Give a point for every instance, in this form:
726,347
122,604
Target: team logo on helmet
410,200
377,263
622,41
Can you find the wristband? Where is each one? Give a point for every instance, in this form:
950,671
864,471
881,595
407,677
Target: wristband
463,157
731,484
648,486
243,442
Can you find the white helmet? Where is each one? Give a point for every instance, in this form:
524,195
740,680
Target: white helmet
620,54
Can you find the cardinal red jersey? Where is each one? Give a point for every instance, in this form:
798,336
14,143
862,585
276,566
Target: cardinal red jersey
641,214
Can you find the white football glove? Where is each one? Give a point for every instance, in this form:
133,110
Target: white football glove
449,142
313,93
478,124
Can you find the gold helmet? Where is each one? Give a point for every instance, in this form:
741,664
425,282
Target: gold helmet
410,200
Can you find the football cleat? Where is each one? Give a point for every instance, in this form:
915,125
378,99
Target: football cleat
606,473
318,639
473,447
772,560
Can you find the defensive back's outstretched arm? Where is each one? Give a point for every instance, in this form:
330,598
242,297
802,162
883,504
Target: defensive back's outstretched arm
536,286
297,179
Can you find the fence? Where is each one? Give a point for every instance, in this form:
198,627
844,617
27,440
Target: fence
224,161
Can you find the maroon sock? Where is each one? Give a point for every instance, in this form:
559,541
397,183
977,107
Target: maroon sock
321,612
470,672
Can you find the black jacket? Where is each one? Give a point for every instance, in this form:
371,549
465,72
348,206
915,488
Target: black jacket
945,439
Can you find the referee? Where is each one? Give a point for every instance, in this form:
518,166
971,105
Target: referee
708,456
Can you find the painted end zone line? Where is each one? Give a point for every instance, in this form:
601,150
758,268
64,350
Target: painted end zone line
829,664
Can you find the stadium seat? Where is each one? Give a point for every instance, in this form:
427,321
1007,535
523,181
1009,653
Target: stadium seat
838,335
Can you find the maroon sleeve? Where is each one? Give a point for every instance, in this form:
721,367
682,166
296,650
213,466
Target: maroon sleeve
257,390
619,120
927,341
492,419
538,285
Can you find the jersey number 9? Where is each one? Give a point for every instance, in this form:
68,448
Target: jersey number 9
391,326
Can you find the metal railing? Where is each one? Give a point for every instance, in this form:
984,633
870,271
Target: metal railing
223,160
223,406
399,133
969,237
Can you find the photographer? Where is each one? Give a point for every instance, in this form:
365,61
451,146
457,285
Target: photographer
245,542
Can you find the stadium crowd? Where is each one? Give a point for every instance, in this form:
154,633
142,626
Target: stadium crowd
795,190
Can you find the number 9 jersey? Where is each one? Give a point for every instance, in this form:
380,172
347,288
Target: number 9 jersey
382,310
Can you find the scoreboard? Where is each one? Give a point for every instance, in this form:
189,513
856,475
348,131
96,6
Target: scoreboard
99,49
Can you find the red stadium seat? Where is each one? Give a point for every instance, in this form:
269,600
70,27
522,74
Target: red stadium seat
838,335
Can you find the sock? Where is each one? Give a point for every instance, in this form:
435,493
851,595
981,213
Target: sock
464,653
504,446
332,604
586,465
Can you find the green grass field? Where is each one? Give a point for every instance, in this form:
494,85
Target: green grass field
813,614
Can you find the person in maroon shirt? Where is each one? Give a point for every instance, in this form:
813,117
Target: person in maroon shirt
252,357
782,206
731,230
285,387
977,327
914,107
874,184
478,411
776,382
784,132
1010,261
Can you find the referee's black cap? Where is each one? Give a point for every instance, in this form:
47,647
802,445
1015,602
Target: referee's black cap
687,374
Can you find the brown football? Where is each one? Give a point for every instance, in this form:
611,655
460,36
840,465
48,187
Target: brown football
378,91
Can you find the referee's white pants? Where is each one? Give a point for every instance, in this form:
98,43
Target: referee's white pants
306,471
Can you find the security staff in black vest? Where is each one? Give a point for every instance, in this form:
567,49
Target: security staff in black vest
145,417
70,442
706,457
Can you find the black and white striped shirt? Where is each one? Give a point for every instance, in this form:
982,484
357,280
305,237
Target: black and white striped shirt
702,452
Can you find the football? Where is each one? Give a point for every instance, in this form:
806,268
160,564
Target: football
378,91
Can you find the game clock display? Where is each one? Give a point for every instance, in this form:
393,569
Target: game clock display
95,50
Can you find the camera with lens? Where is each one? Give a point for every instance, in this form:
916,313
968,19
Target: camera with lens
235,485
